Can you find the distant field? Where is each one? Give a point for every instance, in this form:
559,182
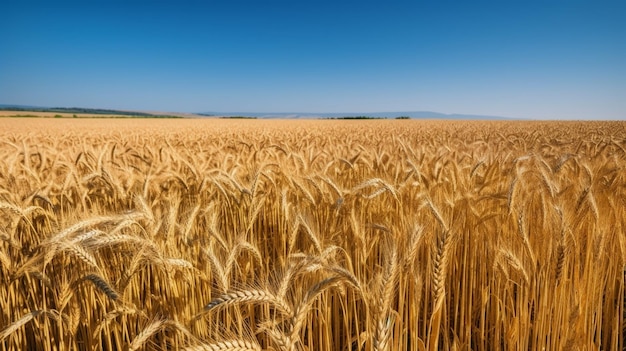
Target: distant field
218,234
32,114
42,114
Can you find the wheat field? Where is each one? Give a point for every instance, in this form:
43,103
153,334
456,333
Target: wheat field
312,235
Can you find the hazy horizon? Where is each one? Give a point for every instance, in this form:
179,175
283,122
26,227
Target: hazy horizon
285,114
532,60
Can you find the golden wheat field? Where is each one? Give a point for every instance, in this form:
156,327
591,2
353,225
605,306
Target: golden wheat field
312,235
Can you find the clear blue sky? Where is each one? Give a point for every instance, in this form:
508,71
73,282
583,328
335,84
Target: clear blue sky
537,59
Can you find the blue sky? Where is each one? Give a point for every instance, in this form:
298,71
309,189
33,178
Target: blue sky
533,59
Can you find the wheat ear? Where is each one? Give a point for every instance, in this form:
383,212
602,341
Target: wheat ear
102,285
26,319
229,345
250,296
145,334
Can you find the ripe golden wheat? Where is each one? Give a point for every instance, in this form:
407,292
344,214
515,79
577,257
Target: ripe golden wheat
312,235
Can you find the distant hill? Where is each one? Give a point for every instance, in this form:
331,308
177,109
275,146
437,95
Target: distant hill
274,115
355,115
91,111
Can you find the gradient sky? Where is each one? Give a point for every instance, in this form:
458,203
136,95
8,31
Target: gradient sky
532,59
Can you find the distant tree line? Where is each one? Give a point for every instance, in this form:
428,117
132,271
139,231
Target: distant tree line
356,117
367,117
